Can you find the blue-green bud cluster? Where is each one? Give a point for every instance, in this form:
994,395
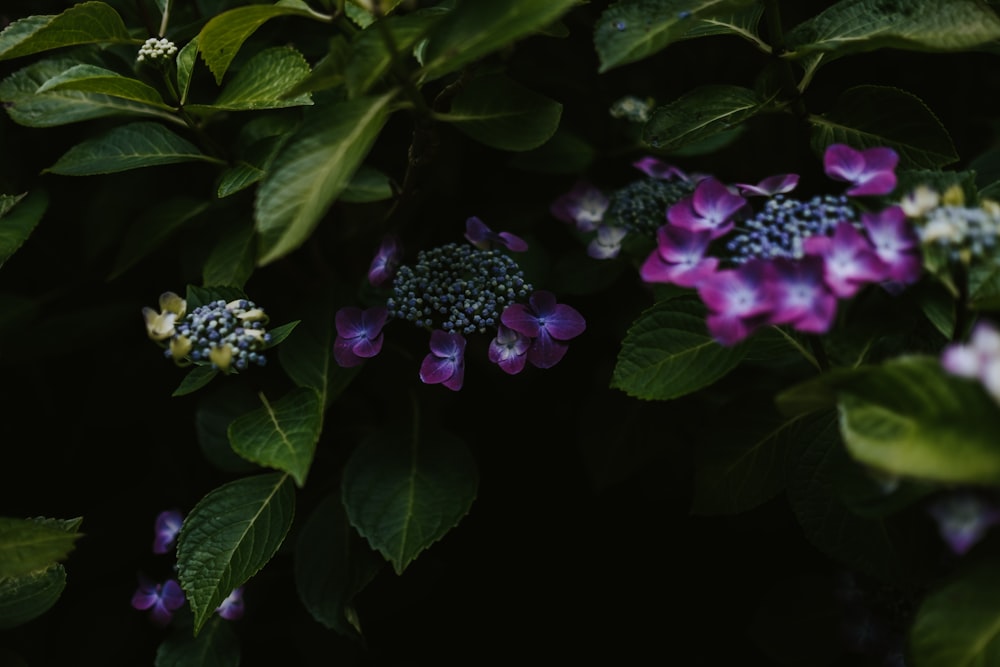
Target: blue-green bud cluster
779,228
964,233
457,288
641,206
209,329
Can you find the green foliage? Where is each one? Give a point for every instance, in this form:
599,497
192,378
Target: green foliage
32,545
85,23
215,646
700,114
28,596
19,215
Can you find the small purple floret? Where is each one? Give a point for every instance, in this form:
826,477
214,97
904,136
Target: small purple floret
800,296
739,301
583,207
608,242
896,243
231,608
870,172
679,257
480,235
657,168
168,525
446,362
547,323
359,334
385,262
509,350
711,207
161,599
849,260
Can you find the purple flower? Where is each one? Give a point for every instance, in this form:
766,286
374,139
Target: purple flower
799,295
711,206
481,236
770,186
231,608
657,168
608,242
385,262
679,257
546,323
509,350
849,260
583,206
168,525
963,520
161,599
359,334
895,242
446,362
977,360
738,301
870,172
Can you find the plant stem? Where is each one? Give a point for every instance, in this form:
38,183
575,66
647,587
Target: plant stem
166,17
789,87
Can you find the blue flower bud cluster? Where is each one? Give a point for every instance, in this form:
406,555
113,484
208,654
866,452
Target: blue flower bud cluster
641,206
238,324
964,233
781,226
457,288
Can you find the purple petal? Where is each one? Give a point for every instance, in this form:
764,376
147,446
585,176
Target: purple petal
520,319
741,293
876,184
366,348
801,297
583,206
145,597
512,242
446,362
166,528
448,345
509,350
843,163
349,322
963,520
608,243
849,260
896,243
172,595
729,330
385,262
770,186
880,158
546,352
657,168
435,370
477,232
559,320
714,201
343,353
679,257
231,608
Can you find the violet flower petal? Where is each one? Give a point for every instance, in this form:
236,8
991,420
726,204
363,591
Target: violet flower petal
509,350
167,526
800,295
562,322
770,186
545,351
446,362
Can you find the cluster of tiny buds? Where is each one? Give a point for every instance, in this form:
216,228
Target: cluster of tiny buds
227,335
779,229
155,49
457,288
639,206
964,232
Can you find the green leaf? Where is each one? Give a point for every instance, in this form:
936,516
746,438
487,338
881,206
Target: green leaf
215,646
563,153
279,334
702,113
308,358
85,23
312,170
263,83
368,185
132,146
328,72
984,286
632,30
59,107
958,625
151,230
197,377
186,60
501,113
370,57
229,536
19,217
852,26
33,545
869,116
668,353
94,79
231,260
215,412
29,596
475,29
332,565
909,417
221,38
200,296
403,491
282,436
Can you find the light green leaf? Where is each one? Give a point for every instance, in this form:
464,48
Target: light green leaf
869,116
852,26
151,230
85,23
958,625
704,112
370,57
503,114
34,545
282,436
187,58
94,79
909,417
19,215
631,30
29,596
221,38
668,353
133,146
197,377
332,565
229,536
312,170
475,29
231,260
405,491
262,83
215,646
59,107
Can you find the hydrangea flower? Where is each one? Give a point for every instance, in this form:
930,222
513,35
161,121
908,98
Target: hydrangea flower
509,350
167,527
870,172
738,301
711,207
359,334
607,243
963,519
896,243
480,235
231,608
385,262
160,325
680,257
849,260
162,600
157,50
979,359
547,323
446,362
583,206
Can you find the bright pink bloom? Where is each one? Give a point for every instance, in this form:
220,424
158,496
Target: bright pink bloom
849,260
895,242
738,301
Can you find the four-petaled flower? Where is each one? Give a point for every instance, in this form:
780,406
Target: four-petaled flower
711,207
385,262
359,334
679,257
161,599
870,172
738,300
583,206
231,608
509,350
547,323
160,325
608,242
446,362
480,235
896,243
167,526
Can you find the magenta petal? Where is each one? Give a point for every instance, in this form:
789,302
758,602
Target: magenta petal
729,330
880,158
512,242
435,370
368,347
801,297
343,353
657,168
843,163
520,319
772,185
144,597
741,292
881,183
714,201
546,352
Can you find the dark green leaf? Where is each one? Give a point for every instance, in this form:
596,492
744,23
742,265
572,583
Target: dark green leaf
29,596
34,545
263,83
85,23
151,230
19,216
94,79
215,646
197,377
231,261
563,153
370,56
404,491
368,185
704,112
282,436
215,412
229,536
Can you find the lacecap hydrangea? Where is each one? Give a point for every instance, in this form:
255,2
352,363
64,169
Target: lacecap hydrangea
458,290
